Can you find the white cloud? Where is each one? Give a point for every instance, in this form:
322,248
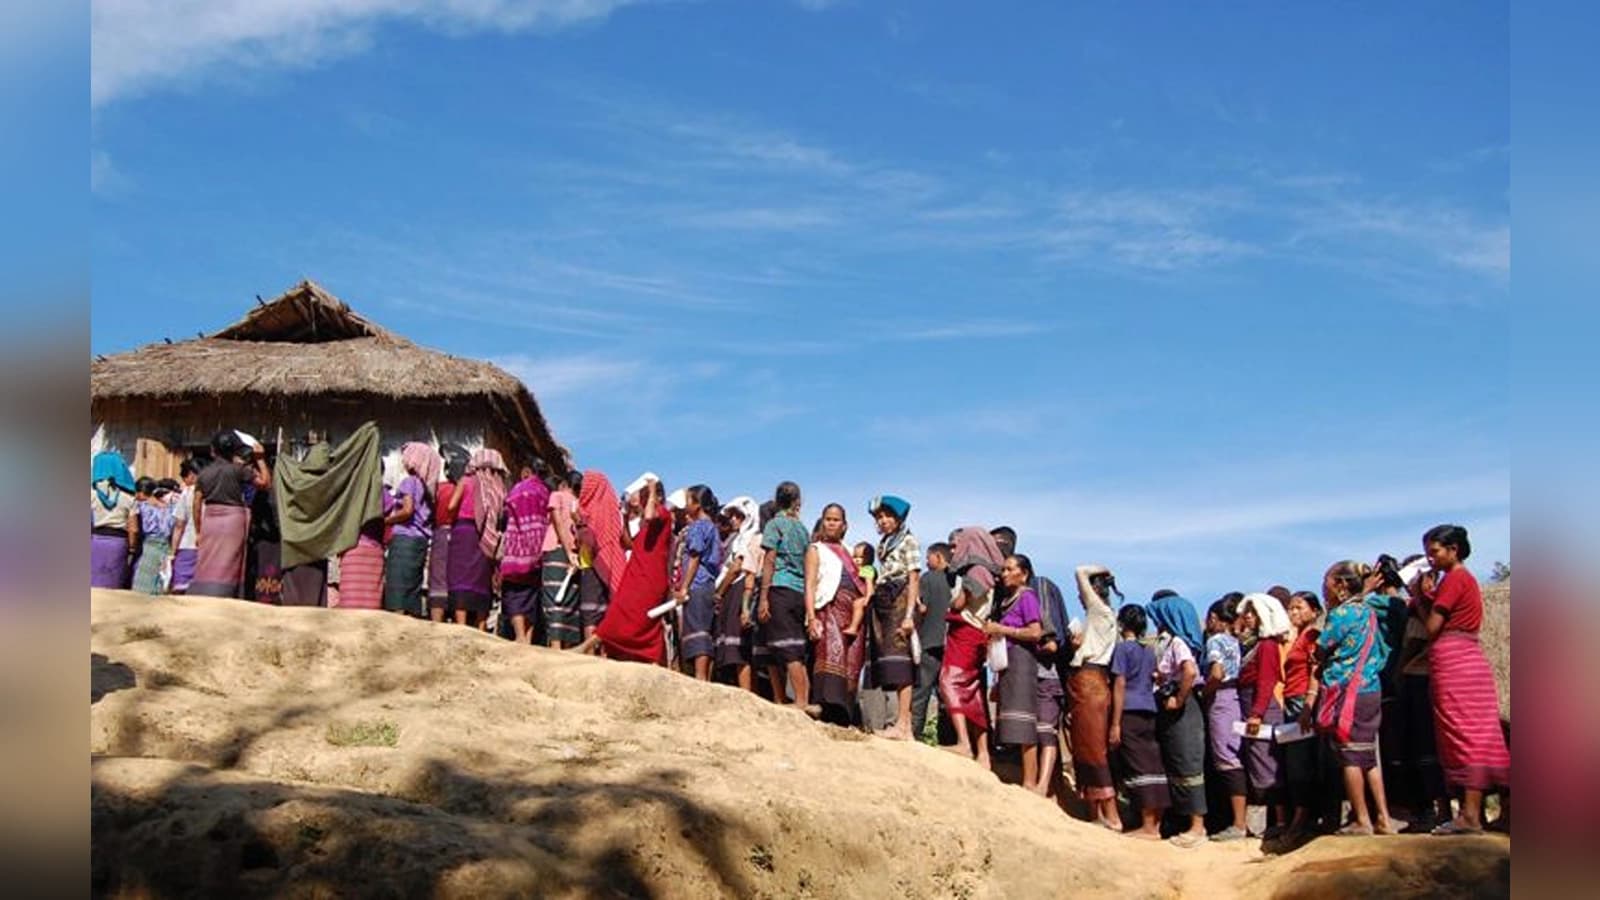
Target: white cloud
562,378
105,179
137,45
761,219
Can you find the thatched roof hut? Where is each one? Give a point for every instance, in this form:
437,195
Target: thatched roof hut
308,364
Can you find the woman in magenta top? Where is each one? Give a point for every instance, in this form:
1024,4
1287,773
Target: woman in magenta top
1021,625
1466,709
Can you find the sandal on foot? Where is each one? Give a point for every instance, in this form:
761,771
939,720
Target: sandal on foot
1453,827
1186,840
1393,826
1354,830
1231,833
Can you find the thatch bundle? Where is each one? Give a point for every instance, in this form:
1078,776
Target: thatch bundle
305,349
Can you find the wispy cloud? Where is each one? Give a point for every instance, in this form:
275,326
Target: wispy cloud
136,45
761,219
105,178
966,331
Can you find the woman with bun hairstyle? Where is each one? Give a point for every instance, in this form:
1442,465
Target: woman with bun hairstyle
1466,710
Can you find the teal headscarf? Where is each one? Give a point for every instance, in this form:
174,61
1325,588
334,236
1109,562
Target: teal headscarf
1177,617
109,467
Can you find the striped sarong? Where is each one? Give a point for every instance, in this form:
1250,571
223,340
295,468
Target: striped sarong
699,616
1182,735
1146,778
1263,758
1466,714
219,570
892,667
961,674
147,578
1018,715
562,621
361,575
402,574
1090,721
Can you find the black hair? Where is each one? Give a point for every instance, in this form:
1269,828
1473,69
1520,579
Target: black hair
704,496
1410,559
539,467
940,548
1351,576
169,484
456,459
1311,599
575,481
1006,537
1226,610
1105,584
188,467
227,445
786,496
551,481
868,553
1164,592
730,511
1024,563
768,511
1450,536
145,485
1132,618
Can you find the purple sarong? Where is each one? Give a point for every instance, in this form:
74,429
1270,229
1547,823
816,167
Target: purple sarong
108,561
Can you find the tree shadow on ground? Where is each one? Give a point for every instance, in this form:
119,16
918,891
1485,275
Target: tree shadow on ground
107,677
202,833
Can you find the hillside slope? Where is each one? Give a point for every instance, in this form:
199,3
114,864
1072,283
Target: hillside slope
249,750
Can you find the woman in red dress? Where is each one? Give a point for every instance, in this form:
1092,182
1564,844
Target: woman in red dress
1466,709
627,631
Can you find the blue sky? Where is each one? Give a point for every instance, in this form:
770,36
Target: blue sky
1212,299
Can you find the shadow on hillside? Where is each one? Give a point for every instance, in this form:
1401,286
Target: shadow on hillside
201,834
107,676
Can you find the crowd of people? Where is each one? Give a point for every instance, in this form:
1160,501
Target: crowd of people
1279,713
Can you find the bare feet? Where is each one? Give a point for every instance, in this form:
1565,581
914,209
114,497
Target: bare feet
1389,826
1145,834
895,733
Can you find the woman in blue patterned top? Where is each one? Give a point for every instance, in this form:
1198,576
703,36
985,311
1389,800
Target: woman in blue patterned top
1351,655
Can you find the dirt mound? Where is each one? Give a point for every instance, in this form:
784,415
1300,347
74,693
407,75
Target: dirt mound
248,750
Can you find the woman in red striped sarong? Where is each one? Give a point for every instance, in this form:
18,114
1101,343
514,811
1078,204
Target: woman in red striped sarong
1466,710
976,559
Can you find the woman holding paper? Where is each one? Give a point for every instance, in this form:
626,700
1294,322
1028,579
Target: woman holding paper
629,631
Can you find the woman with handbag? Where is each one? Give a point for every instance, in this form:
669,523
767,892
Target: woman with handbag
1019,628
1351,654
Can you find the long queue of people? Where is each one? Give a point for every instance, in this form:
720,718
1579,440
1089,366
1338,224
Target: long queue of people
1277,702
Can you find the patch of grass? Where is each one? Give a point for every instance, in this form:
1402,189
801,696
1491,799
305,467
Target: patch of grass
363,734
161,678
142,633
761,858
638,709
841,733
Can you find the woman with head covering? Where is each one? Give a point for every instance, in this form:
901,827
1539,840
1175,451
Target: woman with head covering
783,611
833,582
1089,689
222,517
558,600
475,538
1260,680
1472,749
628,631
456,459
1180,725
1351,656
894,602
742,565
527,521
696,585
1018,620
976,560
601,530
412,521
155,525
1220,696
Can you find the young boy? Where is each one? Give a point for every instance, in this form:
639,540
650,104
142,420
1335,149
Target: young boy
864,556
1133,722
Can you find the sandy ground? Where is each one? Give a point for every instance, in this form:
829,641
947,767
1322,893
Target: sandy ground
248,750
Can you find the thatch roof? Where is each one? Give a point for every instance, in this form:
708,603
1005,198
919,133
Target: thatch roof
309,343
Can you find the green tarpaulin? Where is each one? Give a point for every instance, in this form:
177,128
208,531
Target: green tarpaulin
324,501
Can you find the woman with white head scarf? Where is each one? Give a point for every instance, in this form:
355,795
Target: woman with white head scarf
741,566
1260,674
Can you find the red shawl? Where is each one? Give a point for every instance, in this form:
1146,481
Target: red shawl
597,502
